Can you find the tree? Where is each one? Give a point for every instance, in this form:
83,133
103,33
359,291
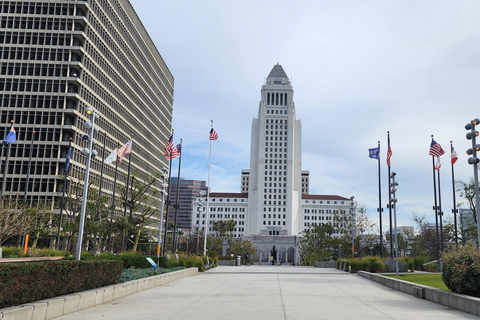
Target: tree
221,227
38,221
317,244
143,203
11,222
468,225
365,231
240,248
425,243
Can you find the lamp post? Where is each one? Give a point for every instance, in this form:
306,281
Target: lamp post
164,193
352,213
89,152
393,204
474,160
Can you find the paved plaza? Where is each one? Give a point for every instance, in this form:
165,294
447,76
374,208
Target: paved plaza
270,292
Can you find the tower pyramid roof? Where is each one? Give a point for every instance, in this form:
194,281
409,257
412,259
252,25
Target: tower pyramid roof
277,72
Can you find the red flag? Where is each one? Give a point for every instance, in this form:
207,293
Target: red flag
453,156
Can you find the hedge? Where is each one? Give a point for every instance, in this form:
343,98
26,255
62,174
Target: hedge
31,281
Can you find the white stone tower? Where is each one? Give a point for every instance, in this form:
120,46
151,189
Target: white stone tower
274,183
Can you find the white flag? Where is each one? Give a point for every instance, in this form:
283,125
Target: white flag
112,157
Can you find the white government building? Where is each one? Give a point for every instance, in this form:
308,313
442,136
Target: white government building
274,205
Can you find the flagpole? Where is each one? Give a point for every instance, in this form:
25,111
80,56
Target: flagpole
389,206
454,210
208,198
63,200
100,189
435,208
27,182
440,213
164,245
113,199
380,202
126,193
5,166
174,242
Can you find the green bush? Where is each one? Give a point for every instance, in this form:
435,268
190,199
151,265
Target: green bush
369,264
461,270
134,274
409,261
31,281
15,252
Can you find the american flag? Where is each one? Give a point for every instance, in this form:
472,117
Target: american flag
171,150
389,154
127,148
213,135
436,149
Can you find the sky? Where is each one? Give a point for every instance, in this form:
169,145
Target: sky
358,69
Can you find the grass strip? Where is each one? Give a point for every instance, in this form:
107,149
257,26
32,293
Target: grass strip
431,280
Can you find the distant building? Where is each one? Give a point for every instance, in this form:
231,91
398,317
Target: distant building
189,190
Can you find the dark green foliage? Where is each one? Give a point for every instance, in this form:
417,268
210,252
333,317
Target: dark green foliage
134,274
32,281
461,270
369,264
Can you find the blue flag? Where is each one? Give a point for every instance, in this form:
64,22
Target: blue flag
11,136
69,156
374,153
179,148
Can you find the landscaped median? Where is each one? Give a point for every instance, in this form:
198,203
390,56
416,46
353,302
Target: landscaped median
452,300
62,305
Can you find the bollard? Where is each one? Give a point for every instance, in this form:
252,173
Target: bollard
239,260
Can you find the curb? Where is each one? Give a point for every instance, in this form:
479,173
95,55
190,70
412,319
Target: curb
450,299
62,305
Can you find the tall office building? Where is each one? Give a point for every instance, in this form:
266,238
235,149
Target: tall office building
59,58
275,188
188,191
274,204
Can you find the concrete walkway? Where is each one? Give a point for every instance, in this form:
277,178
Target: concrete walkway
270,292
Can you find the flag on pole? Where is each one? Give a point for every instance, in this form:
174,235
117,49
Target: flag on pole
69,156
453,156
127,148
11,136
438,165
436,149
112,157
213,135
179,149
374,153
389,154
171,150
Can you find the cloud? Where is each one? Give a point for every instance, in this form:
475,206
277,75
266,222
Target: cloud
358,68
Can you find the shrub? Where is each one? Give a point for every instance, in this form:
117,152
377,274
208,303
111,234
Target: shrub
31,281
410,262
134,274
461,270
369,264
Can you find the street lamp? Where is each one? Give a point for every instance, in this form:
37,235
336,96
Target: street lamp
89,152
393,204
474,160
199,208
163,186
352,213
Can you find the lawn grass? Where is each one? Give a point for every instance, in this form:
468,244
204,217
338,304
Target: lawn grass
431,280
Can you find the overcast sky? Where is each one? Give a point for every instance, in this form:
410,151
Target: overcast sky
358,69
